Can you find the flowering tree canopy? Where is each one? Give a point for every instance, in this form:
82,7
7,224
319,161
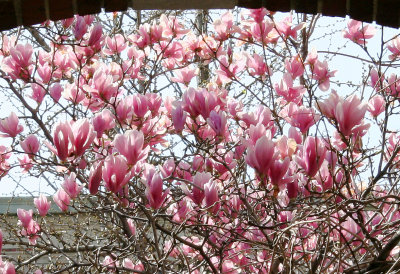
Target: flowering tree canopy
176,148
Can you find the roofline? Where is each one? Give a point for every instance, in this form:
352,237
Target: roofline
15,13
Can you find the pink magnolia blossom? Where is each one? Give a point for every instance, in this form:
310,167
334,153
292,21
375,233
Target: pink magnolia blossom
70,185
25,217
277,170
127,263
198,163
292,189
178,116
153,102
229,69
44,72
328,106
235,204
331,158
140,105
312,57
229,267
102,86
199,101
73,93
193,44
211,200
30,145
44,58
351,230
66,23
295,135
357,33
158,31
19,64
256,132
96,36
131,225
168,168
62,134
337,141
26,163
321,73
64,62
224,26
183,210
109,263
31,232
142,39
8,43
10,126
348,230
4,165
264,115
262,155
311,157
394,48
289,92
171,27
349,113
103,121
217,121
7,268
264,32
294,66
199,180
30,226
261,115
286,146
286,27
376,105
115,44
154,191
130,145
80,27
394,85
171,51
377,79
62,199
257,14
124,110
95,177
42,205
115,173
55,91
21,54
184,75
393,144
301,117
324,178
116,71
222,165
82,136
38,93
257,66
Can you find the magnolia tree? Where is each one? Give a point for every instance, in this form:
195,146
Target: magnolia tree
256,166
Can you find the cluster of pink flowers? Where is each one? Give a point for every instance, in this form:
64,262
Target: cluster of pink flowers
259,160
358,33
30,228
